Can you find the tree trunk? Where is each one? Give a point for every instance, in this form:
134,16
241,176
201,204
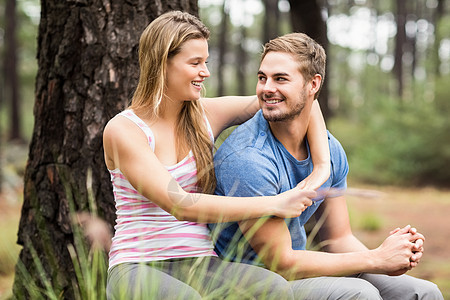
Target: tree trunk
400,42
307,17
242,61
223,33
10,70
88,69
437,16
272,20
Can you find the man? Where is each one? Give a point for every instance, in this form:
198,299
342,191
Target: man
269,154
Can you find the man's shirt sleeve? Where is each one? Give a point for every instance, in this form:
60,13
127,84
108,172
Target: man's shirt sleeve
339,164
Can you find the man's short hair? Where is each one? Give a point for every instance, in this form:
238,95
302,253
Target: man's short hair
309,54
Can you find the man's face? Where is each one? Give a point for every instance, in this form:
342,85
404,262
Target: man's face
281,88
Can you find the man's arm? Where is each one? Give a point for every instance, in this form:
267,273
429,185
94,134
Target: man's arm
338,237
272,242
335,232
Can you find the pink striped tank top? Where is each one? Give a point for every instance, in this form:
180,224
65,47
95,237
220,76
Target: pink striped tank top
144,231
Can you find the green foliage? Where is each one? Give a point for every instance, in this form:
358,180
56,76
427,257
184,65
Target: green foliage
90,273
399,143
8,251
444,26
365,221
371,222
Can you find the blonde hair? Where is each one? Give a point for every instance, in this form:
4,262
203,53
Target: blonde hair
309,54
161,40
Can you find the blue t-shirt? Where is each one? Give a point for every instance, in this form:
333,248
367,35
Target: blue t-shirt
252,162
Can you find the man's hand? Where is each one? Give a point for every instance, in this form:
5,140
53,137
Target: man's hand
400,251
417,248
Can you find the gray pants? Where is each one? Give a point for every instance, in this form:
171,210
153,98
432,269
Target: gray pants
195,278
366,286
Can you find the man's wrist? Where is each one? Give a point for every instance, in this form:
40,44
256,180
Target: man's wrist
373,261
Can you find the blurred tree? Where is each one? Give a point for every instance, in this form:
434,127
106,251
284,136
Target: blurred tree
242,61
88,68
411,36
223,34
439,12
306,16
400,42
271,28
10,65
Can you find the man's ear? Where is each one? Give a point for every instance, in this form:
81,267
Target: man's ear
315,83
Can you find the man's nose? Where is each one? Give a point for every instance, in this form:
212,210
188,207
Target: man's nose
269,86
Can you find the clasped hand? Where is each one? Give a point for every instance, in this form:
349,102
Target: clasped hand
402,250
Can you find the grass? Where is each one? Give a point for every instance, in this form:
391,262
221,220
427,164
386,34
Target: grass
427,209
372,219
9,250
367,221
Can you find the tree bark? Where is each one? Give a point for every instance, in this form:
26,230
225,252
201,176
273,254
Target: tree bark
242,61
87,71
306,17
400,42
10,71
437,16
223,34
271,26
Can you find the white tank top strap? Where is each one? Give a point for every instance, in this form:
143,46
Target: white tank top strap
129,114
208,127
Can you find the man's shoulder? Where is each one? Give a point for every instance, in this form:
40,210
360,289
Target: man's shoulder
339,161
335,145
336,149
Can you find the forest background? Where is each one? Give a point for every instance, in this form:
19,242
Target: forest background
387,101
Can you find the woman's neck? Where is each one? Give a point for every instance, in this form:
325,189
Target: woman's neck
168,112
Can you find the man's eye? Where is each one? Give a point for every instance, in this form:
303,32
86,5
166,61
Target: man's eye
281,79
261,78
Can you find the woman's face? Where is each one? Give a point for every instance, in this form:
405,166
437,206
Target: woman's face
187,70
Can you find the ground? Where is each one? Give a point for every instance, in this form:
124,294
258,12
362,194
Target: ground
427,209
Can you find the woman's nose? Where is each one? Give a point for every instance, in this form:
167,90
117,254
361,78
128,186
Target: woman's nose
205,72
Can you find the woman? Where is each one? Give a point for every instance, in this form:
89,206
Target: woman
159,153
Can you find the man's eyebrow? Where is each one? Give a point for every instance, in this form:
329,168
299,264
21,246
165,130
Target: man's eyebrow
280,74
274,75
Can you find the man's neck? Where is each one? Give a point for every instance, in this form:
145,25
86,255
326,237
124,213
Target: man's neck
292,133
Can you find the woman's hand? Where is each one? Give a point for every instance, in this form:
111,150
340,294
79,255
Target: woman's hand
293,202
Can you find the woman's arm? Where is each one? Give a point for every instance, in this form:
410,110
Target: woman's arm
126,148
320,150
223,112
